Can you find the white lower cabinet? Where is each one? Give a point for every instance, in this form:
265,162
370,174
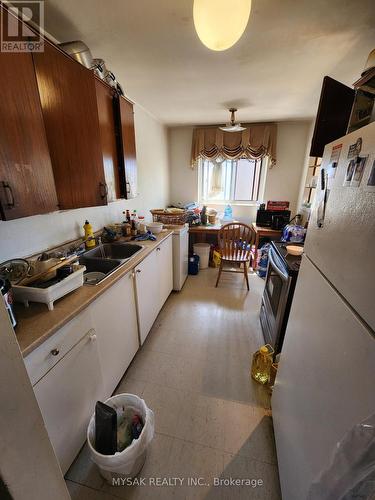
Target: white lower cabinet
115,320
84,360
147,294
67,395
154,282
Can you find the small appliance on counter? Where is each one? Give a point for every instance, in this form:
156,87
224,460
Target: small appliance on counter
275,216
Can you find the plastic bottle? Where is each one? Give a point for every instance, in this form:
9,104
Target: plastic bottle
261,365
228,213
89,233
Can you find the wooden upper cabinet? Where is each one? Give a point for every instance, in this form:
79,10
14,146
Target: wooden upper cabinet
68,99
126,147
104,96
26,177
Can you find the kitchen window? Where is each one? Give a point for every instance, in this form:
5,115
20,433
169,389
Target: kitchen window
231,181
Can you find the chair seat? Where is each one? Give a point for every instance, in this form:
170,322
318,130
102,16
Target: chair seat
235,258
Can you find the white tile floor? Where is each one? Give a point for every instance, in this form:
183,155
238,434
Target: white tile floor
212,420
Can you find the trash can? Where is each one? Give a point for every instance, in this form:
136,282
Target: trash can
203,250
129,462
193,267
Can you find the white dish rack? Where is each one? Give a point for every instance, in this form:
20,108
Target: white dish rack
48,295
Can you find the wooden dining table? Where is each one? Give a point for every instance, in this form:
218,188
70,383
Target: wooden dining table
208,234
203,234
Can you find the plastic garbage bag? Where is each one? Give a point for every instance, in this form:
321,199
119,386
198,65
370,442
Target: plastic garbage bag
351,472
262,260
128,462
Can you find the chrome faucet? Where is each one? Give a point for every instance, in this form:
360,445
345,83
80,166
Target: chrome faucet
76,248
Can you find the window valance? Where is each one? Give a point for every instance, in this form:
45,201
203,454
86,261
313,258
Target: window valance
257,141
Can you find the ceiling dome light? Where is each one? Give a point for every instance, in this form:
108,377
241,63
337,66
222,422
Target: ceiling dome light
233,126
220,23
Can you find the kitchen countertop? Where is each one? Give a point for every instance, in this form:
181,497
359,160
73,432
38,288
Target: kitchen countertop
36,323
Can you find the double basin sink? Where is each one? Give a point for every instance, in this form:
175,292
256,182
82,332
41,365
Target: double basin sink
106,258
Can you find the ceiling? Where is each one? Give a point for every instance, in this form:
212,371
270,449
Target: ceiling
274,72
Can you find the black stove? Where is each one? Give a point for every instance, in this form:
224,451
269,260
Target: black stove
282,273
291,262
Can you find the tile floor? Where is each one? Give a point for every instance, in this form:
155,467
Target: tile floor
211,419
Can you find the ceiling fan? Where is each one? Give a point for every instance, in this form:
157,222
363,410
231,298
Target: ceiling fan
233,126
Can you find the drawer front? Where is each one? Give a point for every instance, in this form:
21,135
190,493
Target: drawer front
44,357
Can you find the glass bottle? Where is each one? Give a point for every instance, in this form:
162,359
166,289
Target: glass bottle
204,215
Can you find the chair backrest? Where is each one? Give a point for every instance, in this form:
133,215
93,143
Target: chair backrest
235,241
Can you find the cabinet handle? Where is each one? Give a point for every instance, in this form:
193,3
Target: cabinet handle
55,352
103,194
158,249
7,188
138,271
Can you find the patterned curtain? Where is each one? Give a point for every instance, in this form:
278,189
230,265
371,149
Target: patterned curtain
212,143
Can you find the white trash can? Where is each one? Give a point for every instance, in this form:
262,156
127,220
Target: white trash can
127,463
203,250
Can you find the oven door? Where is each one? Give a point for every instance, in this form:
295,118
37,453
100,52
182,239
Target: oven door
275,297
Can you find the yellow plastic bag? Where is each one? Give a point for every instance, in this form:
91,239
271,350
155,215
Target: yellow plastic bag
216,258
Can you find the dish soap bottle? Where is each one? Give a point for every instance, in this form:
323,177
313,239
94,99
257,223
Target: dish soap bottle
89,233
261,365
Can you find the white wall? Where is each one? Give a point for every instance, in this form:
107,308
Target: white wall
282,182
26,236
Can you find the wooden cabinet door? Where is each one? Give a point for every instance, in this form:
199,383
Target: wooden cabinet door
147,294
67,395
115,321
26,178
68,98
104,96
164,268
126,147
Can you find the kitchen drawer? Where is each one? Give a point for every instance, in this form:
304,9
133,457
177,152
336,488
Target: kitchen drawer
44,357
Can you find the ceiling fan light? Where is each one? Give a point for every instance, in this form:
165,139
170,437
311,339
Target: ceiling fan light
233,128
220,23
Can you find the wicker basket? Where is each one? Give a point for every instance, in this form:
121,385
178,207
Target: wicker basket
160,215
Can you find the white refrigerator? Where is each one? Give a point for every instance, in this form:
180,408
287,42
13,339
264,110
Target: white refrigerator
326,379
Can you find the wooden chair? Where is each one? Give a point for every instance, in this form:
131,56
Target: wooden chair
235,241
